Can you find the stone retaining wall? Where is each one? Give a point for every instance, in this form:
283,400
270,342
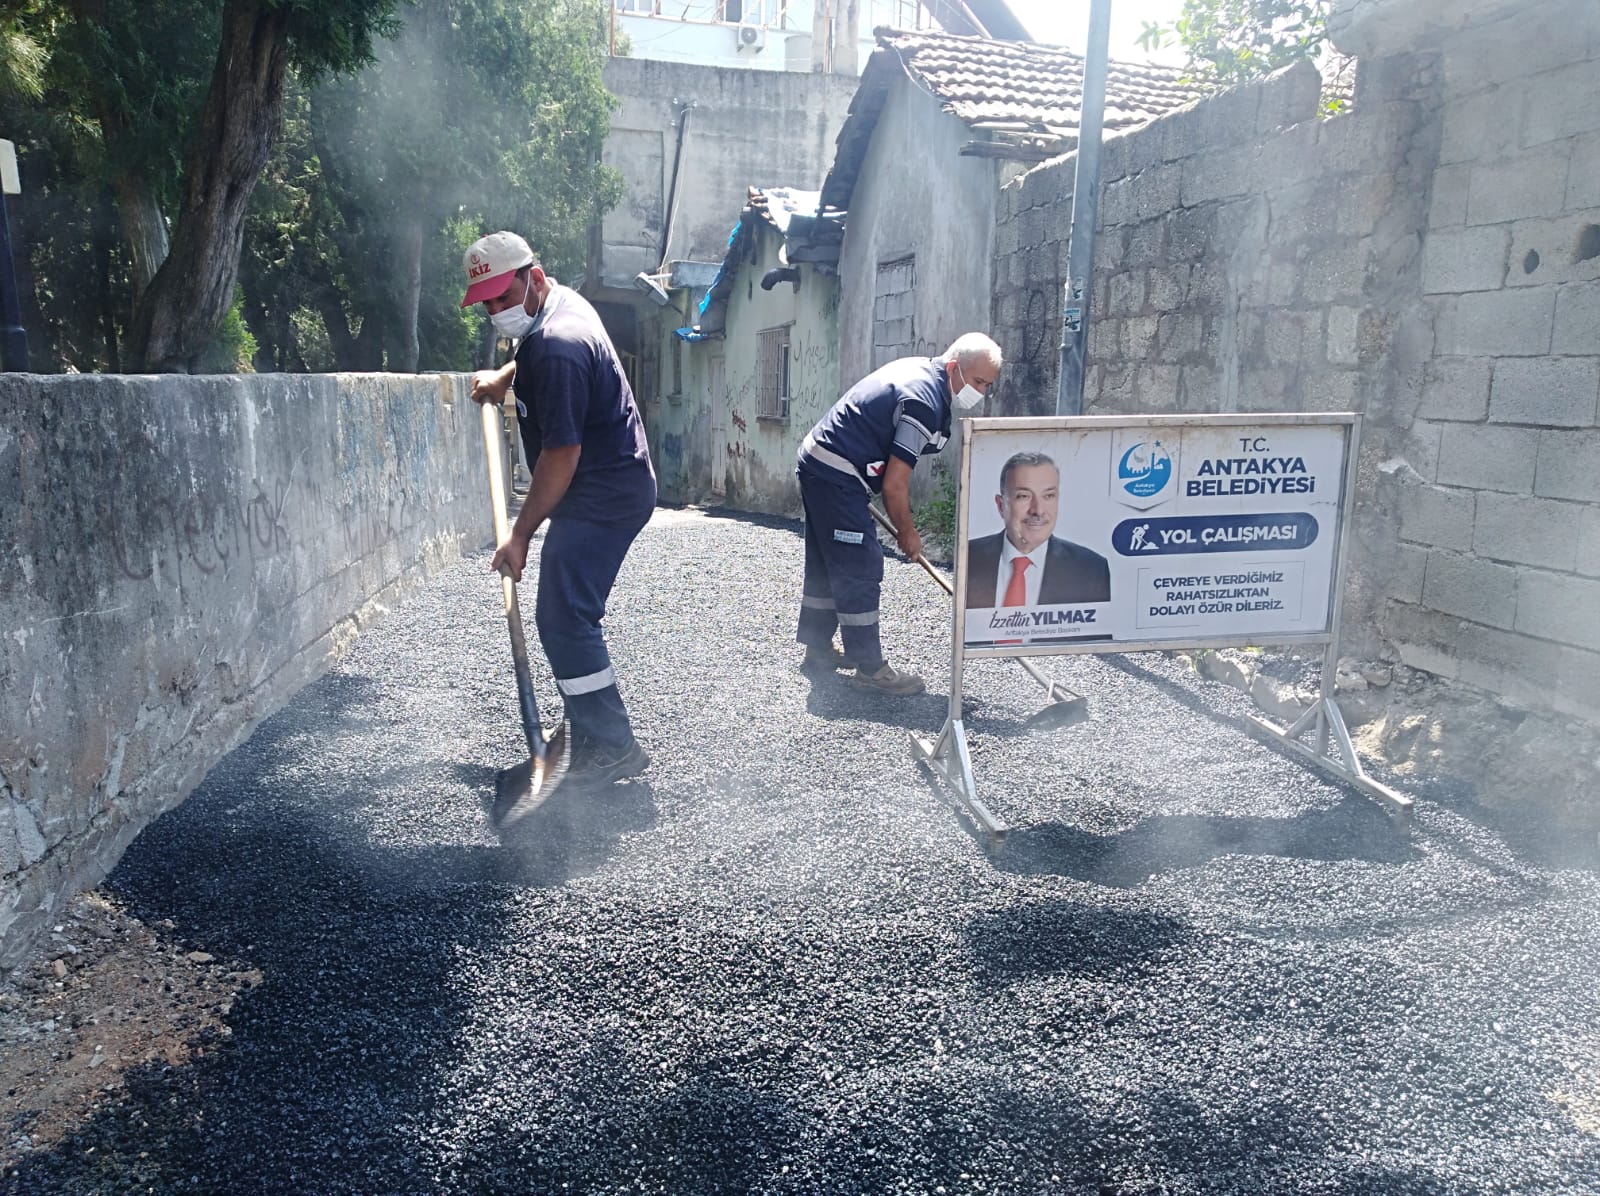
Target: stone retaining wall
182,555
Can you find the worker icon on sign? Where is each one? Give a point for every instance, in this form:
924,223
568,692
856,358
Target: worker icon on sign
1137,542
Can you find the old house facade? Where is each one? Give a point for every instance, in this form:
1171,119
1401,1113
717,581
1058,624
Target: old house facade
937,125
760,365
702,114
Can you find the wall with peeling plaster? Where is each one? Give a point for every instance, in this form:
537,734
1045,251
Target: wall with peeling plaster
183,554
754,454
744,128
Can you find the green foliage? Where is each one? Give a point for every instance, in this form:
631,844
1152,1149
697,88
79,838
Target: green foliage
333,37
449,333
479,114
122,88
482,114
22,58
232,349
134,76
100,109
1229,41
937,516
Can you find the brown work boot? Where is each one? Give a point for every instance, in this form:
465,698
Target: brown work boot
887,681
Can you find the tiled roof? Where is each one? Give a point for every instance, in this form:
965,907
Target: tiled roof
778,205
1024,97
807,237
1023,87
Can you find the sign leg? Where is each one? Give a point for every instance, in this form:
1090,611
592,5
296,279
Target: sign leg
948,758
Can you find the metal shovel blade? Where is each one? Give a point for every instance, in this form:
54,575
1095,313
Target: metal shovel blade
1060,712
523,788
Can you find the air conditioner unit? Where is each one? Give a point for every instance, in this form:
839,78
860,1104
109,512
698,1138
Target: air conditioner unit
752,37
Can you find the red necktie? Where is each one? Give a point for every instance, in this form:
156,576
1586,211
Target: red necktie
1017,588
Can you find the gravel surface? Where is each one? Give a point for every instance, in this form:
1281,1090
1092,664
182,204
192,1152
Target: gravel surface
777,963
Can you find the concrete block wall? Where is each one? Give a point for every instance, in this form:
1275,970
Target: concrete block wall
183,554
1503,521
1431,259
1209,265
1246,255
1251,255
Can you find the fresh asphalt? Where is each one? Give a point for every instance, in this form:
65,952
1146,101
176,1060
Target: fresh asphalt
779,964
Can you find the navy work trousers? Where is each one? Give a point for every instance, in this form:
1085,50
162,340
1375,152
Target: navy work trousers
577,568
844,570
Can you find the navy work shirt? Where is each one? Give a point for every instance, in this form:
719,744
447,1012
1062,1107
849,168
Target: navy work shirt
901,409
570,390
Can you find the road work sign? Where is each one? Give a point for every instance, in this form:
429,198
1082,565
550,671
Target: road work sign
1131,533
1108,533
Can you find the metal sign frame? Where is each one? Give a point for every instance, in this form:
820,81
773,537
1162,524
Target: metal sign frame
948,756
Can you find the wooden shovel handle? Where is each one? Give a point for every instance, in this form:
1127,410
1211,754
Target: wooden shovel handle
527,707
883,522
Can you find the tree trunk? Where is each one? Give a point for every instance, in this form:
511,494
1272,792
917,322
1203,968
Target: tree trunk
108,309
366,350
409,261
144,229
178,314
352,354
340,339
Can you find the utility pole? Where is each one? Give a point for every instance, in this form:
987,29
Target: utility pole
13,340
1085,208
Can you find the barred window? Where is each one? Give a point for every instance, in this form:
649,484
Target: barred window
772,372
908,14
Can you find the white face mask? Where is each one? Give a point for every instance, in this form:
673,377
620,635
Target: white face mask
514,322
967,397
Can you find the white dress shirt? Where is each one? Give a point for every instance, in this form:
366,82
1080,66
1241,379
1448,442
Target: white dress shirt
1032,576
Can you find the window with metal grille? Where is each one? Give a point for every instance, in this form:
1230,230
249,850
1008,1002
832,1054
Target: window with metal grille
772,371
894,305
756,12
907,14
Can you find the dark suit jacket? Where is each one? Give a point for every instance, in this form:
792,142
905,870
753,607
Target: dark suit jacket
1072,573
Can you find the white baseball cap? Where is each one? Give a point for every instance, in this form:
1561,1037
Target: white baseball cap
490,262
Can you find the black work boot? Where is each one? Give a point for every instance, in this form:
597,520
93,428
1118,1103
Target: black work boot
596,762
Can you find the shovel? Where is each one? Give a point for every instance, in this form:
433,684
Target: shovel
520,789
1063,709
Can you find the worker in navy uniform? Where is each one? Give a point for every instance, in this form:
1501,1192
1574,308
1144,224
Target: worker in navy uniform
592,479
1027,564
868,443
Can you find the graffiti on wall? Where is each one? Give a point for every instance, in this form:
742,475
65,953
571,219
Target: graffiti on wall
202,533
206,534
368,525
1035,329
